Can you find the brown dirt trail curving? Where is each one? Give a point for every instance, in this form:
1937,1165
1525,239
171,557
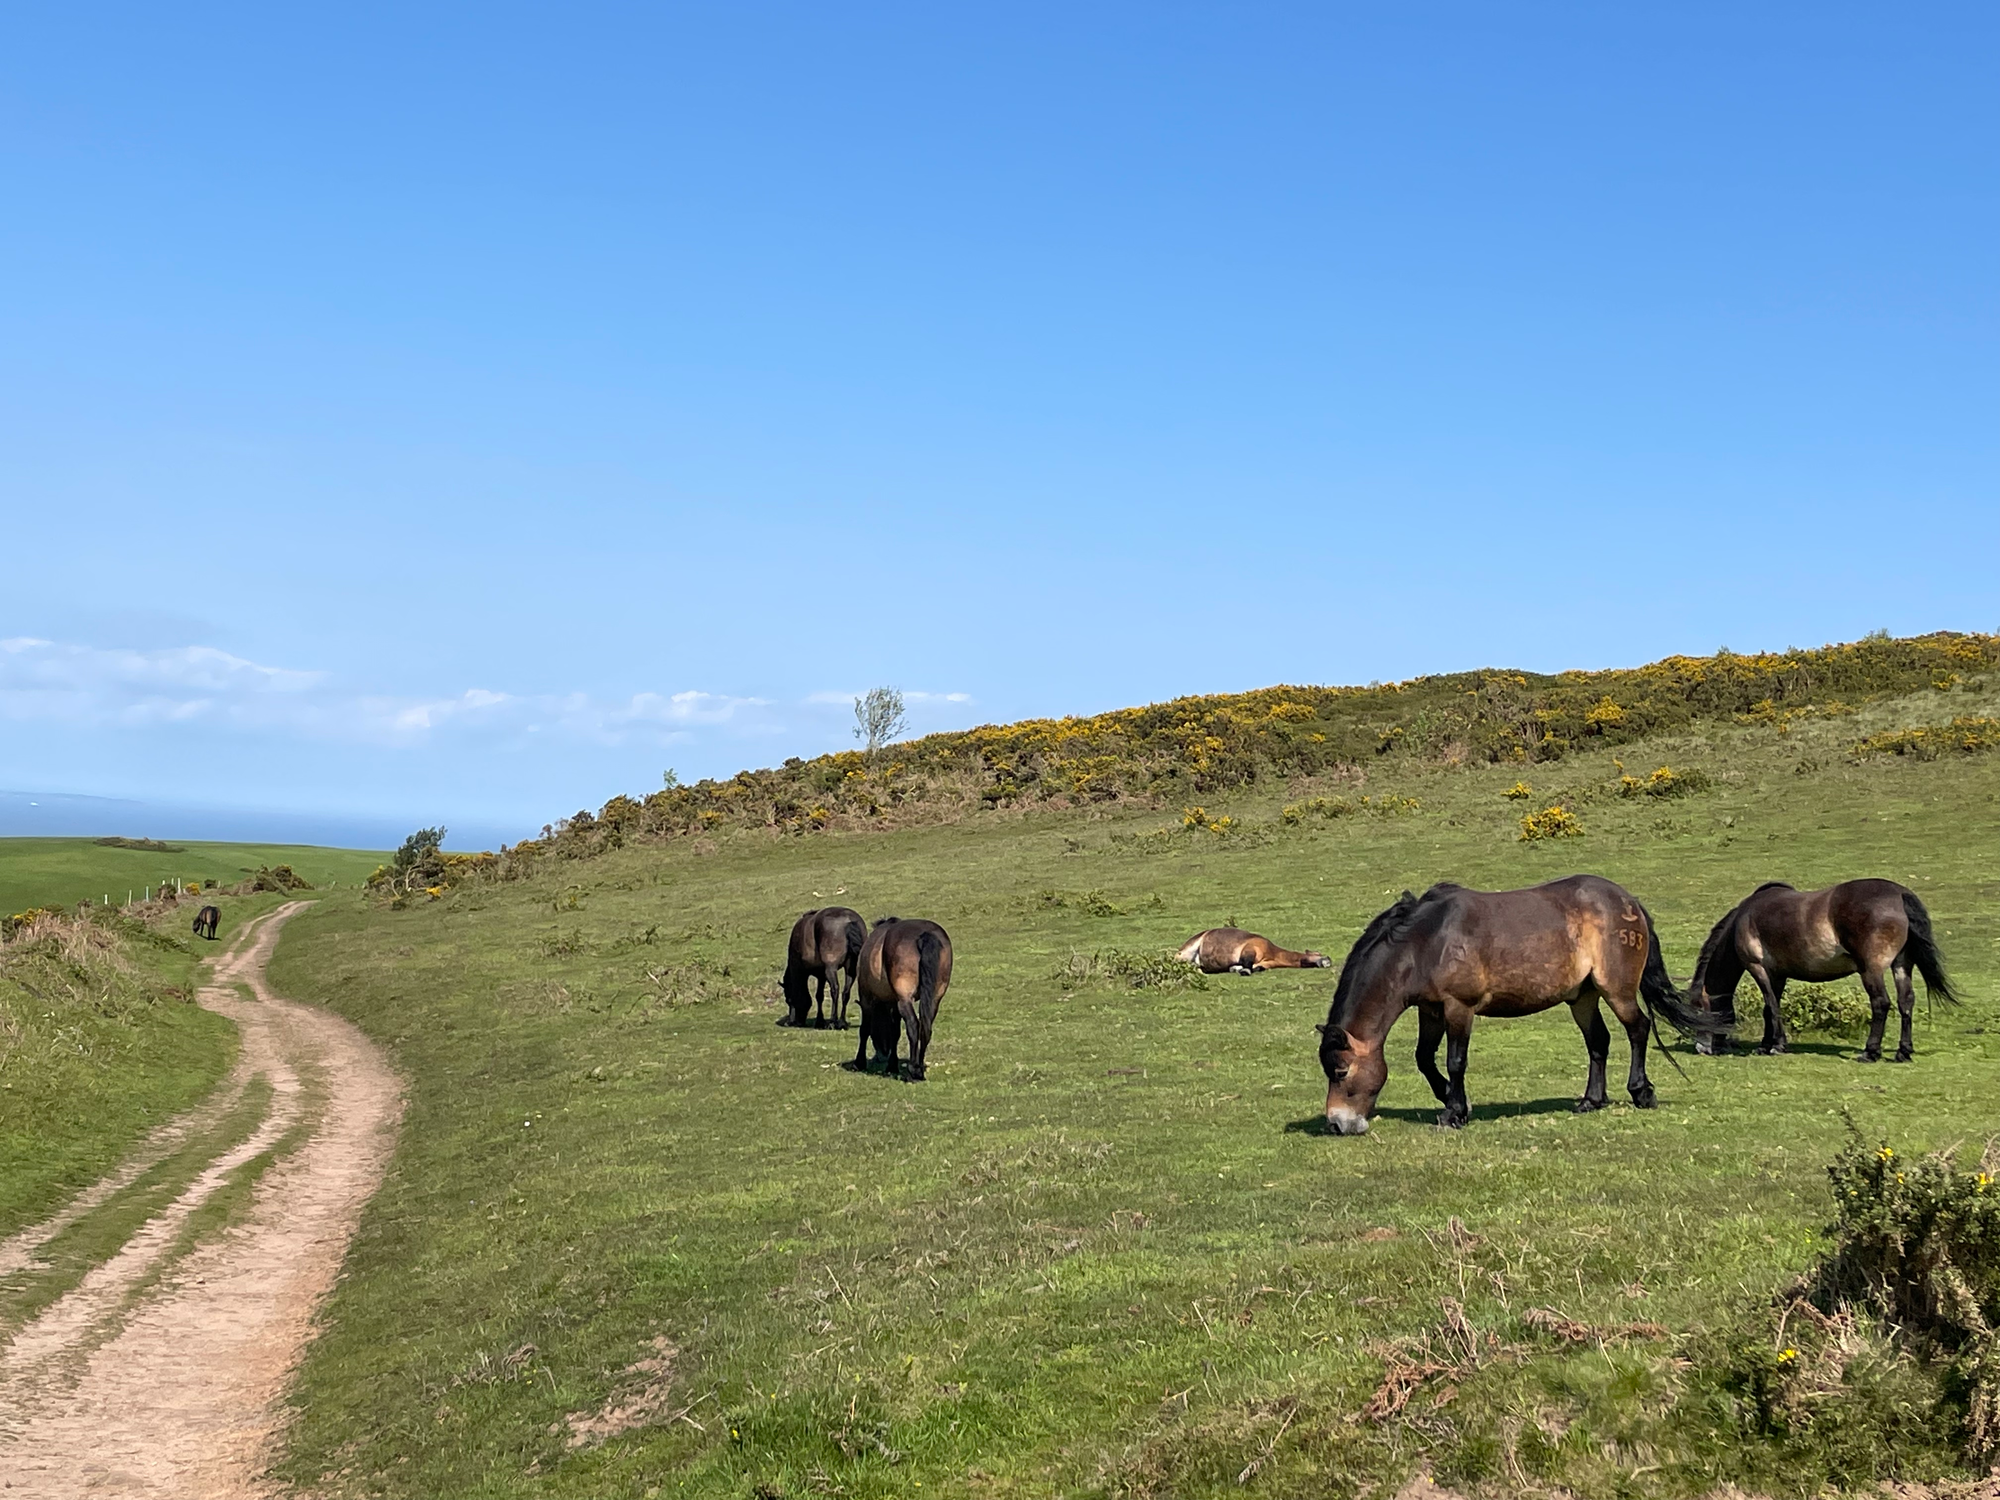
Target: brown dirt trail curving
163,1377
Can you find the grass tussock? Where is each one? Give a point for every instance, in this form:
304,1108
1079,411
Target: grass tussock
1139,971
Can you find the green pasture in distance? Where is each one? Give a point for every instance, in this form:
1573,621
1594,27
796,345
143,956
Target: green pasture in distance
638,1241
62,872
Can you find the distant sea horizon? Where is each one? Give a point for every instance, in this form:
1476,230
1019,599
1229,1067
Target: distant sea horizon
76,815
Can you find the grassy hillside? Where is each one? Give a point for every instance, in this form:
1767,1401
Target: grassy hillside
1191,750
639,1241
62,872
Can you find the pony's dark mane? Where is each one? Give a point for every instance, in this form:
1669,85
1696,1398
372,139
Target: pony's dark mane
1716,947
1771,885
1390,926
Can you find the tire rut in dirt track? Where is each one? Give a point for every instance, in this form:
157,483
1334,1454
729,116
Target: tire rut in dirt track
176,1391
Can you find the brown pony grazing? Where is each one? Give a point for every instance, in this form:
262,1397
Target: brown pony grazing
825,945
206,920
905,970
1231,950
1873,927
1457,955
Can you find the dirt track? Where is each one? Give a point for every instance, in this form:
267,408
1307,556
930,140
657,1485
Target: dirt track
164,1377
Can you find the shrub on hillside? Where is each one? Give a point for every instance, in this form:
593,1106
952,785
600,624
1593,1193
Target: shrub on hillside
1965,735
1891,1337
1550,823
1665,782
279,878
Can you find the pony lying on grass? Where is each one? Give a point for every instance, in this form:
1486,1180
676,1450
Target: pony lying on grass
1458,955
1231,950
1875,928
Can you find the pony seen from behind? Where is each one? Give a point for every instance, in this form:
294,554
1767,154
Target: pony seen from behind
904,972
825,947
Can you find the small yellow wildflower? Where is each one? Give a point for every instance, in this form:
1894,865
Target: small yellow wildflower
1786,1356
1886,1154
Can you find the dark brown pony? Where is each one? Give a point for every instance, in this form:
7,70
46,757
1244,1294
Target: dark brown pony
1872,927
1457,955
905,970
206,920
1231,950
826,946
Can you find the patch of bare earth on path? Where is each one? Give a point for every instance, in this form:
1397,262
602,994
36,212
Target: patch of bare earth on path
142,1384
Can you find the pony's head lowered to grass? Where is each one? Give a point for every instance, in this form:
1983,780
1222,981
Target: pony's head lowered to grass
1355,1065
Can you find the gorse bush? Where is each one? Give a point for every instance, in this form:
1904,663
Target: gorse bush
1832,1008
1665,782
1892,1336
1965,735
1550,823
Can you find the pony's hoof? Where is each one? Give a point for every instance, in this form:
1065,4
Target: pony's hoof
913,1075
1588,1106
1645,1098
1772,1049
1453,1119
1867,1057
1902,1056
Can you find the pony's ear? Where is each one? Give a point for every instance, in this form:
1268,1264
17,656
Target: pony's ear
1321,1029
1335,1037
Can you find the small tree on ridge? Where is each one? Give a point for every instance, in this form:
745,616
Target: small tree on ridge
878,718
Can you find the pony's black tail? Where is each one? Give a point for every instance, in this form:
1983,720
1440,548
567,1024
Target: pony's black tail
857,934
930,948
1922,950
1657,989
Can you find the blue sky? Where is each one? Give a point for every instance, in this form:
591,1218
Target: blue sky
461,414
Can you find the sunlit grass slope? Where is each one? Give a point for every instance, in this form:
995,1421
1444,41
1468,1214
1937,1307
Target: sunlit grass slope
99,1043
62,872
640,1241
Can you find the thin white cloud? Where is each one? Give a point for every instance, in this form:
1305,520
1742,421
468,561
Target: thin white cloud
86,686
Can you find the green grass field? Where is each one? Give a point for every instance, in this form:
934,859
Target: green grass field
639,1241
62,872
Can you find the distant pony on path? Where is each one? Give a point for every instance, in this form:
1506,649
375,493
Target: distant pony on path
206,921
1231,950
1875,928
905,970
826,946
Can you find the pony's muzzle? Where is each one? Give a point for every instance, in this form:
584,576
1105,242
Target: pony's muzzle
1346,1122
